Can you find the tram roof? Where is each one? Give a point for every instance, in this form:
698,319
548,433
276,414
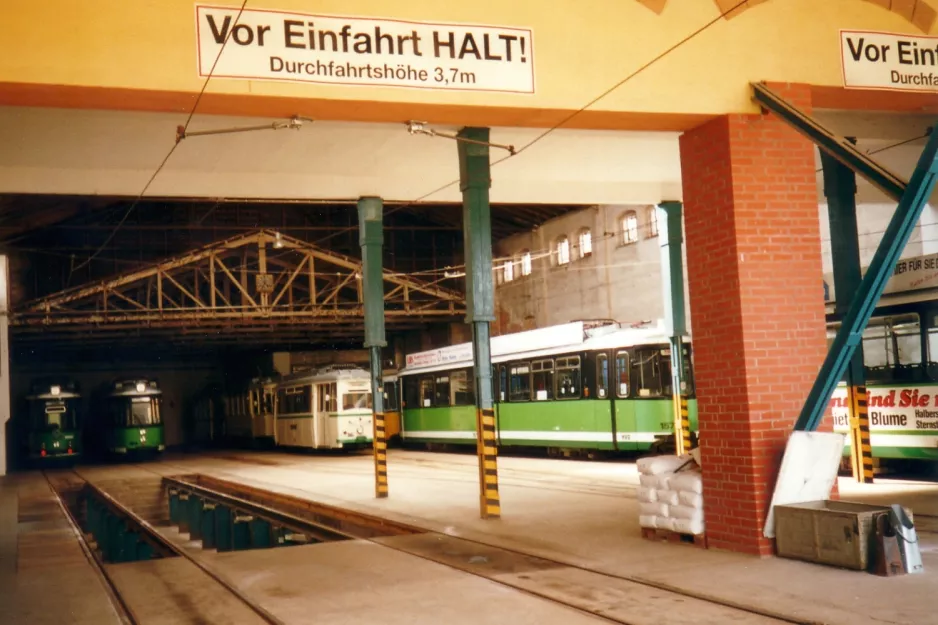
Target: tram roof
325,374
131,388
558,339
49,395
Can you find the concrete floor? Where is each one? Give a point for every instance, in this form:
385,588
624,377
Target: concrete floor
585,513
575,512
44,575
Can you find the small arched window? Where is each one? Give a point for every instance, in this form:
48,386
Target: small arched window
628,228
652,222
562,250
585,242
525,263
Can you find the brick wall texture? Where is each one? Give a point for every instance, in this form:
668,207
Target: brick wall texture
755,282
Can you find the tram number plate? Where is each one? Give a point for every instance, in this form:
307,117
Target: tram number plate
625,437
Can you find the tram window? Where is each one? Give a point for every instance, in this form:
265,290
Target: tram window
543,379
622,374
602,375
892,341
666,378
520,389
502,382
143,411
461,389
255,403
441,391
327,398
356,400
426,392
646,371
390,396
411,393
298,400
568,378
268,402
51,415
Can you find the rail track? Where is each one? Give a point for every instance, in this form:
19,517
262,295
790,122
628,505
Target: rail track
561,583
129,612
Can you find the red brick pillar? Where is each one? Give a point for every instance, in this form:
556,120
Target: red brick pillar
757,307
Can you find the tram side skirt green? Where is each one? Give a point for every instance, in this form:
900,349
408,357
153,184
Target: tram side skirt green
547,418
418,421
649,416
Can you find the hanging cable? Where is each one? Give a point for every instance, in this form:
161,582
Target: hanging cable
166,158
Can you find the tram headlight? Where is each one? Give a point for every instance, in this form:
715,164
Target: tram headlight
141,387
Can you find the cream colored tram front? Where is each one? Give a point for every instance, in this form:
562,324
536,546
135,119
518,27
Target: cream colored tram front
327,409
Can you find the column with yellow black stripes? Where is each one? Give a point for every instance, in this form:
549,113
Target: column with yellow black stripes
685,425
474,182
371,238
861,446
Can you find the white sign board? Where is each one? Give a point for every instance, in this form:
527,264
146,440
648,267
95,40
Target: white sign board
331,49
875,60
891,408
910,274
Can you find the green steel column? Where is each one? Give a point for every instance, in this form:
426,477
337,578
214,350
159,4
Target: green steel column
671,239
474,182
371,239
840,189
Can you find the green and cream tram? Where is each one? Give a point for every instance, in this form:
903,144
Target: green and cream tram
561,388
330,408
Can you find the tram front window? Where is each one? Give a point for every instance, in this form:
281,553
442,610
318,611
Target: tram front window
356,401
53,416
138,412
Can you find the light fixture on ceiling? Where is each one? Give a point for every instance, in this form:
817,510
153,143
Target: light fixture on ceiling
278,241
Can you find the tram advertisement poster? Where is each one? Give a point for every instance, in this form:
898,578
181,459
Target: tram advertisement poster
892,408
890,61
303,47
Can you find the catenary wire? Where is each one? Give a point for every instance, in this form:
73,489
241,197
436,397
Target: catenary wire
567,119
166,158
445,186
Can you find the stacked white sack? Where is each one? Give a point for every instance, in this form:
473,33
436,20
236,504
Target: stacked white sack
670,494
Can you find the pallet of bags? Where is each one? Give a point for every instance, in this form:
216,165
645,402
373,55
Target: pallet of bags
670,498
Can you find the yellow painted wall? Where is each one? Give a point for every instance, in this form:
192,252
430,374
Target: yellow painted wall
582,47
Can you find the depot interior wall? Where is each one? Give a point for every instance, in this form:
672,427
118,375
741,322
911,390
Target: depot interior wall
151,45
617,281
872,220
179,381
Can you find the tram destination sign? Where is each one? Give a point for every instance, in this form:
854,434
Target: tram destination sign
330,49
894,62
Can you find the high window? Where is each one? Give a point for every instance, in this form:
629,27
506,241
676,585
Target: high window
585,242
525,263
508,270
562,250
652,222
628,228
